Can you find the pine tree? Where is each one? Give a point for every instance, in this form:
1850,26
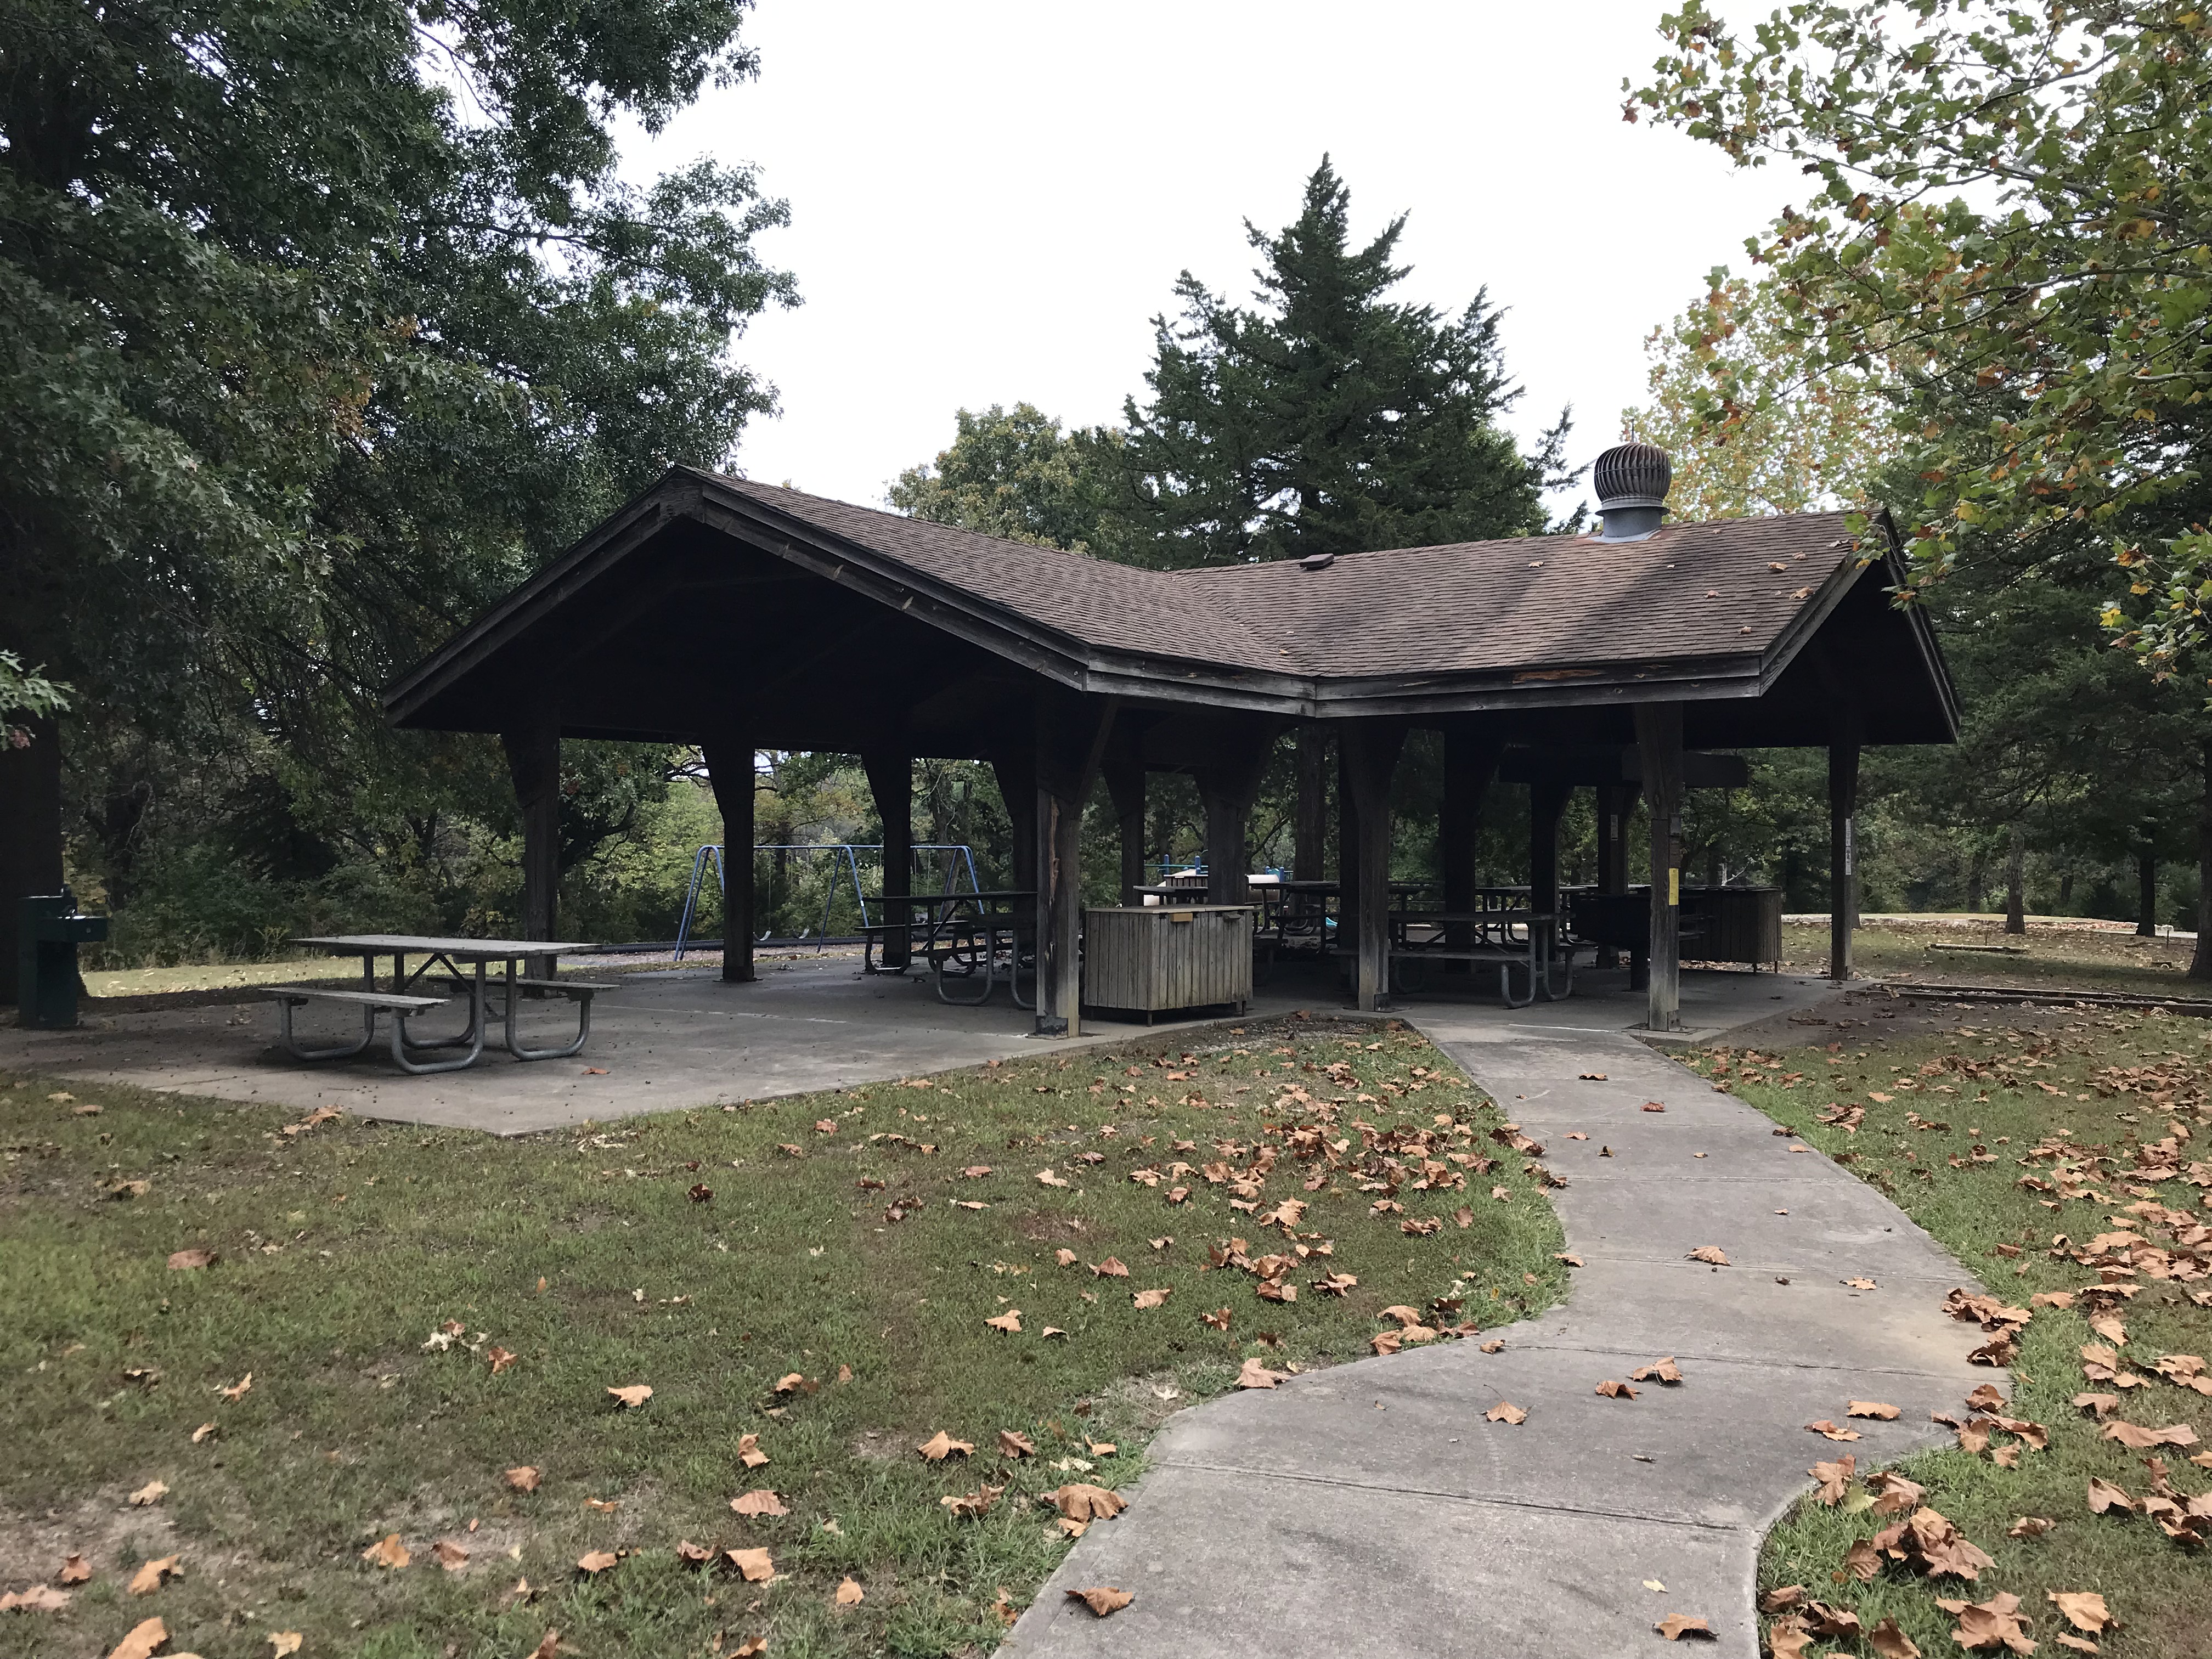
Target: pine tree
1331,418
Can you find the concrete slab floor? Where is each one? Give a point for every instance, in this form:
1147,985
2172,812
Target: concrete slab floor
678,1039
1371,1508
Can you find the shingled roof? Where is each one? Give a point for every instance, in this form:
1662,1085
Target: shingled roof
1721,590
1695,612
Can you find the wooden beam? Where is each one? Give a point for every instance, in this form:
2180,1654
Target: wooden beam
1071,737
1843,853
1371,749
891,780
730,769
533,762
1473,750
1615,802
1547,804
1309,831
1227,786
1124,768
1659,736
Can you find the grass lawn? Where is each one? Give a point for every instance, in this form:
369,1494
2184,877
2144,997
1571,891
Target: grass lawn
824,1309
1977,951
2065,1157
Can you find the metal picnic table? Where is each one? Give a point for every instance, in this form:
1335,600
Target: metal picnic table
1502,932
460,963
958,946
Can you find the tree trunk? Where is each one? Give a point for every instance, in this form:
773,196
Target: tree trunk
2200,961
30,834
2016,881
2147,889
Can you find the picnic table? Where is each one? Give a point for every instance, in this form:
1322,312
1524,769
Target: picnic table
459,965
1501,931
964,936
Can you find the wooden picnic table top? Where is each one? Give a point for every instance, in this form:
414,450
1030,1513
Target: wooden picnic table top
460,949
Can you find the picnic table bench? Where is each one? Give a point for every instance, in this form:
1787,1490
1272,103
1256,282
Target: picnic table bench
987,935
458,964
1491,936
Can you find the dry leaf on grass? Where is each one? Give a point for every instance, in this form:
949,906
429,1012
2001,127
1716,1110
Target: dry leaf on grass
284,1643
1892,1493
2084,1609
2104,1495
1927,1540
979,1502
2030,1526
1065,1257
1103,1599
40,1598
849,1593
144,1640
596,1561
387,1552
1256,1374
749,1451
1151,1298
75,1569
152,1492
1015,1445
1833,1431
1111,1267
238,1390
750,1647
1078,1500
153,1574
1987,1623
2141,1439
1891,1642
759,1502
523,1478
756,1564
1009,1321
1046,1178
1835,1479
451,1556
184,1260
1675,1626
941,1445
1711,1252
1506,1412
632,1396
1219,1319
1659,1370
1878,1410
500,1359
205,1432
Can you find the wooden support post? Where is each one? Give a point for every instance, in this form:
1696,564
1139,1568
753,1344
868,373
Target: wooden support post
1842,852
891,780
1547,804
1070,746
1659,736
533,762
730,769
30,835
1471,756
1227,788
1371,749
1347,864
1016,771
1125,786
1310,830
1614,803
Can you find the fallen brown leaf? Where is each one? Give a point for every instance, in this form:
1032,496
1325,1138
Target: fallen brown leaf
1010,1322
1891,1642
634,1395
1111,1267
1015,1445
387,1552
1833,1432
523,1478
1066,1258
1151,1298
941,1445
152,1492
144,1640
1877,1409
1659,1370
2084,1609
39,1598
1078,1500
1256,1374
75,1569
596,1561
756,1564
1711,1252
185,1261
283,1644
749,1451
1987,1623
500,1359
849,1593
2139,1439
1506,1412
1835,1479
1677,1625
451,1557
761,1501
1613,1391
1103,1599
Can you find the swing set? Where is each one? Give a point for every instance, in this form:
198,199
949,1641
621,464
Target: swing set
958,858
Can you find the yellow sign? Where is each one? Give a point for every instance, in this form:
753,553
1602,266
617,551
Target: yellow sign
1675,887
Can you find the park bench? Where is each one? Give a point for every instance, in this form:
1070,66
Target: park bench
400,1007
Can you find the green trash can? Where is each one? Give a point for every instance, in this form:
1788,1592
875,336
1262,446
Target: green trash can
48,931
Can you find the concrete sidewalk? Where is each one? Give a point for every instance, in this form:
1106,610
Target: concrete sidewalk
1371,1509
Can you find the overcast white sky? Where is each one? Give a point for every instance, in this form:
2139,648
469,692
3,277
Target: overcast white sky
990,200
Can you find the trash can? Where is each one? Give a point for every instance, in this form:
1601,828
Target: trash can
49,930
